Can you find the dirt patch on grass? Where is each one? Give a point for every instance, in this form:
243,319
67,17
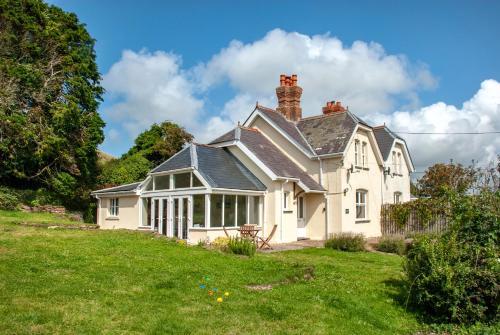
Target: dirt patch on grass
306,275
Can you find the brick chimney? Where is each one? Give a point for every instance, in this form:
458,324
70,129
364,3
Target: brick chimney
289,98
333,107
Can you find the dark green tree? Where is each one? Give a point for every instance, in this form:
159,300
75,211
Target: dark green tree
124,171
160,142
49,94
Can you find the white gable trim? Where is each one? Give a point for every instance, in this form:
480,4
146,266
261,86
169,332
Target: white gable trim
406,154
257,113
373,143
257,161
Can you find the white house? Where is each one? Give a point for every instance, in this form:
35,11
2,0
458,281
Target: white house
309,176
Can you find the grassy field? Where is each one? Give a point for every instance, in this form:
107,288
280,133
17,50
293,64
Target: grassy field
36,218
119,282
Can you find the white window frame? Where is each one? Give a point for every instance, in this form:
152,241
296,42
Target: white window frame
397,197
394,163
286,202
114,207
364,156
356,152
400,170
247,217
363,204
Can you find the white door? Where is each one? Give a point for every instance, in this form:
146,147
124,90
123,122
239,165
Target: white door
301,223
181,214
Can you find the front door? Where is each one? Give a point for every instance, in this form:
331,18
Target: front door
301,225
181,216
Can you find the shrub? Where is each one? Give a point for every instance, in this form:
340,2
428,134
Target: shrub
394,244
8,199
456,276
220,243
241,246
346,242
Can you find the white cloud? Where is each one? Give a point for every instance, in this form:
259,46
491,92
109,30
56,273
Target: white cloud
479,114
147,87
150,87
362,75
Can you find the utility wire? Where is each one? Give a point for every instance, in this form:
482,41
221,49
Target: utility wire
450,133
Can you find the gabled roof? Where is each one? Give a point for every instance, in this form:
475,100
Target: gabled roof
180,160
385,141
286,126
217,166
118,189
329,134
269,155
222,170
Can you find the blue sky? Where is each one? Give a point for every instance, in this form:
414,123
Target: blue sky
445,50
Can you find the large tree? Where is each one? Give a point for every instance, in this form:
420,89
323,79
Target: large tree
49,94
160,142
441,177
151,147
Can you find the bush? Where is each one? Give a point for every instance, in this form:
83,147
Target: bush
241,246
346,242
8,199
394,244
456,276
220,243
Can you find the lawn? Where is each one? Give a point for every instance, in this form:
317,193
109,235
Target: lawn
40,218
56,281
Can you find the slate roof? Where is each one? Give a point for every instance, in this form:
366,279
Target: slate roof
385,139
180,160
329,134
222,170
287,126
217,165
121,188
274,159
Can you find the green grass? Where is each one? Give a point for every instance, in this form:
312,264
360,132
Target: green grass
35,218
119,282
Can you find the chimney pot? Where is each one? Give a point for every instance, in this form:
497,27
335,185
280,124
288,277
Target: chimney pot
289,98
333,107
282,80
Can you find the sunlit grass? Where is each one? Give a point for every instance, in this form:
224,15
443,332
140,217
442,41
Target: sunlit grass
119,282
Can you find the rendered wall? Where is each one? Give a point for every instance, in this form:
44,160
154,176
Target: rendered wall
128,213
395,183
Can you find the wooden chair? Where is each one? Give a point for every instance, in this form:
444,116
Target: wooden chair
265,242
225,231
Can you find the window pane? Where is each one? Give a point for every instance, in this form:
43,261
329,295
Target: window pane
196,181
253,210
182,180
146,211
360,212
242,210
229,210
199,210
162,182
216,210
360,204
301,207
